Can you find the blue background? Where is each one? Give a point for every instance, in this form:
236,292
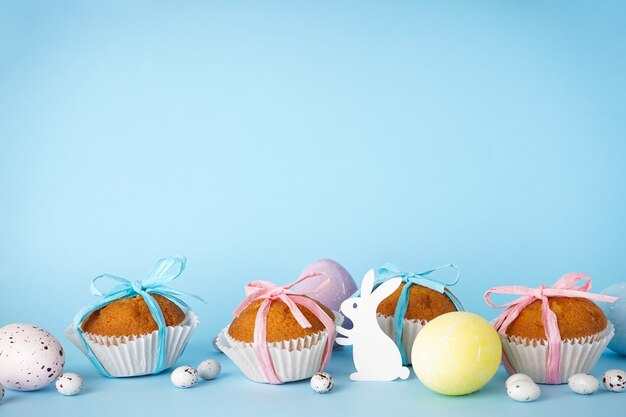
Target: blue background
255,137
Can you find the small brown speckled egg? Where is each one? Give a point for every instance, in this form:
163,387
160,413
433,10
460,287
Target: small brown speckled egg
614,380
30,358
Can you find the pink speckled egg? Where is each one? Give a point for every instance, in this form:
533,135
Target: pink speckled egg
340,288
30,357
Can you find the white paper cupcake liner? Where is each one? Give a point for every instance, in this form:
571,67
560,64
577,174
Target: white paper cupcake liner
410,329
293,359
136,355
580,355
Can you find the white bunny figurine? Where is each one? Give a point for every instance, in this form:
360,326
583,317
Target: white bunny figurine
376,356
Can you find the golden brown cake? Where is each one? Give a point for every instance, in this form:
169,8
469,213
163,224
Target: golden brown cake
576,317
131,316
424,303
281,324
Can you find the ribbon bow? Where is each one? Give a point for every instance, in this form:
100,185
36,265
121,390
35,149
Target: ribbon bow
389,271
165,270
268,293
563,287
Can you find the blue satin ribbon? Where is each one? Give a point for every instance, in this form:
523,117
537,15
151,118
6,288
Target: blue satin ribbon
165,270
389,271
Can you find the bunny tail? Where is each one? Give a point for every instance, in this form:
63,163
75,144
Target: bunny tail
404,373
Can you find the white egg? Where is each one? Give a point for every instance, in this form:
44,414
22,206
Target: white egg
517,377
184,376
31,357
69,383
583,384
322,382
524,391
614,380
209,369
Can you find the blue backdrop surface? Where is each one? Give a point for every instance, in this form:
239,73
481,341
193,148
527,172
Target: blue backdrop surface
255,137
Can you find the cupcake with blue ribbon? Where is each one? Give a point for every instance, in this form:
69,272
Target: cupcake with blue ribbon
420,298
138,327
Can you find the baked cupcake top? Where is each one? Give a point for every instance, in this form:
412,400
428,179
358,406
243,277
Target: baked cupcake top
424,303
281,324
131,316
576,317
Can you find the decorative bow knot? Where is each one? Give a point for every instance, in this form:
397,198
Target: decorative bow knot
267,293
166,270
563,287
537,292
389,271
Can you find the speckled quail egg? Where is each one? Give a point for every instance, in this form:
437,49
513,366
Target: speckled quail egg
517,377
322,382
31,357
614,380
69,383
209,369
523,391
184,376
1,392
583,384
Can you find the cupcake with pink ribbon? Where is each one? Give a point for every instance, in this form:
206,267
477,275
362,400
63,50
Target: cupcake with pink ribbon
279,335
552,333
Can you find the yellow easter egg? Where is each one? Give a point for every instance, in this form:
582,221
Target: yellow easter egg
456,353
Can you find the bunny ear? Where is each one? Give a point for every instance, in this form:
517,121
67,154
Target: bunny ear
385,289
367,285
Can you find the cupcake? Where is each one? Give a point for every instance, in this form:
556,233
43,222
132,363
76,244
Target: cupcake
132,331
131,315
409,309
278,335
281,324
576,318
568,339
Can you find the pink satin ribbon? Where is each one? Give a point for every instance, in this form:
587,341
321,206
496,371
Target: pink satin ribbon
563,287
269,292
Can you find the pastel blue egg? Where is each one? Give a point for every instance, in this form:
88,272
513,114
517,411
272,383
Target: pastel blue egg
616,313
